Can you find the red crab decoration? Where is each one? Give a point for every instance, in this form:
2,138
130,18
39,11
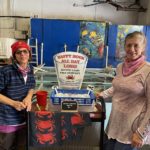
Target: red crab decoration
74,131
64,134
77,119
46,138
63,121
45,125
44,114
70,77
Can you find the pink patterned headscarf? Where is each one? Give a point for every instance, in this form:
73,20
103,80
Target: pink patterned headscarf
130,67
24,72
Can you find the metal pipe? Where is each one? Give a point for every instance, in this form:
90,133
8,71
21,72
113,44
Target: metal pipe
106,63
42,45
15,16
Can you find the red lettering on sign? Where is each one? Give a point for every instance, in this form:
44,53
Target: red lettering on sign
70,66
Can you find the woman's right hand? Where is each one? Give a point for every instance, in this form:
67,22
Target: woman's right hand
137,141
98,94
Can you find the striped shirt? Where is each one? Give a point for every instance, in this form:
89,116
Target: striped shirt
13,86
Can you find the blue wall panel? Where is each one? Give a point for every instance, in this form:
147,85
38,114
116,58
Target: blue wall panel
37,29
57,33
112,37
147,32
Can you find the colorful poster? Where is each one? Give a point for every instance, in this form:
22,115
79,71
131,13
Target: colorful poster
92,35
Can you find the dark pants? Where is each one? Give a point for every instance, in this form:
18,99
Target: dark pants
13,141
112,144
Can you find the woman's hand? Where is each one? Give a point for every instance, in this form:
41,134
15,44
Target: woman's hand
27,102
98,94
137,141
19,105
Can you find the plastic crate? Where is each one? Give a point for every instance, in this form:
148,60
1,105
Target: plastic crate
56,100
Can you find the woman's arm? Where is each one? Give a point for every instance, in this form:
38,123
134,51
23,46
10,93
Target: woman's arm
15,104
144,127
106,94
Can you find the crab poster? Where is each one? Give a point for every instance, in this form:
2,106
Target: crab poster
70,68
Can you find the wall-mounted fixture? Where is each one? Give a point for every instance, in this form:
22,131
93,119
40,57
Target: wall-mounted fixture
135,6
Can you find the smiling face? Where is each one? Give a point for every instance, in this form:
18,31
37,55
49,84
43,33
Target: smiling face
134,46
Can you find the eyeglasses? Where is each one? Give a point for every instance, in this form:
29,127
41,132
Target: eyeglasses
19,52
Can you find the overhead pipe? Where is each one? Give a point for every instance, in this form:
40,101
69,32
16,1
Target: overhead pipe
14,17
119,6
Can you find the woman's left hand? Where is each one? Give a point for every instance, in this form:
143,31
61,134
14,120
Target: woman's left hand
27,103
137,141
28,100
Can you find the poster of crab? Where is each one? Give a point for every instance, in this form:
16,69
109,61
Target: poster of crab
70,68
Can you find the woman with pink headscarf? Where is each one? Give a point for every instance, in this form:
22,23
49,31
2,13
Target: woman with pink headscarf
129,121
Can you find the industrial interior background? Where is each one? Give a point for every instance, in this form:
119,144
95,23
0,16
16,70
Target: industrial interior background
16,16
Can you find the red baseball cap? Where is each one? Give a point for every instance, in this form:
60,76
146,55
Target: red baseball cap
19,44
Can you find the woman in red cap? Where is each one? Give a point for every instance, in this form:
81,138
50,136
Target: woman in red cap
16,91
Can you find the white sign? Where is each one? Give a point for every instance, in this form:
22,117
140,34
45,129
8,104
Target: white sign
70,68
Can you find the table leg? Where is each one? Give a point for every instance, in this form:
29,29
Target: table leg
101,144
27,131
